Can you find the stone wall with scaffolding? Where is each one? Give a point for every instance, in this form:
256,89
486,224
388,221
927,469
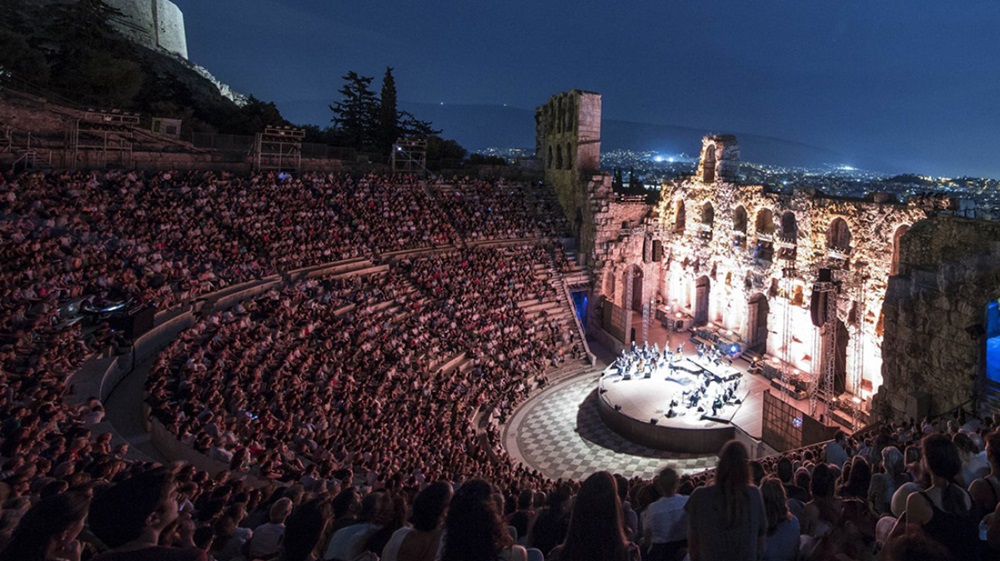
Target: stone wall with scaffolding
746,260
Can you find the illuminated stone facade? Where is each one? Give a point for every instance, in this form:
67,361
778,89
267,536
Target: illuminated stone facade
747,260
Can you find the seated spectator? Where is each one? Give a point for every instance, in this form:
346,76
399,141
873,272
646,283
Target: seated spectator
521,517
268,538
782,542
422,540
130,516
664,521
48,531
945,510
550,526
727,519
306,528
883,485
350,542
596,530
835,452
474,530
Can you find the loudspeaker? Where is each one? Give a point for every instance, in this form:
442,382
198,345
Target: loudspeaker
817,306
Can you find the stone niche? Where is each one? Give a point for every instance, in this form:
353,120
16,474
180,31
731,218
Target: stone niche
949,269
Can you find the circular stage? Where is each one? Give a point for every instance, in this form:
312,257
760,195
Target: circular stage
672,402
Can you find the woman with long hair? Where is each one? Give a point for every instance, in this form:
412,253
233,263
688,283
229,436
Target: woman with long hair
550,525
782,542
474,530
304,529
596,531
49,529
727,519
420,542
945,510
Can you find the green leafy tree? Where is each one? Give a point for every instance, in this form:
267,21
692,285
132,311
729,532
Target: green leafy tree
92,62
20,60
414,127
355,116
443,153
253,117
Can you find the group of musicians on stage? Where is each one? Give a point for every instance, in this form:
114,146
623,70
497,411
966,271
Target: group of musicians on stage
715,391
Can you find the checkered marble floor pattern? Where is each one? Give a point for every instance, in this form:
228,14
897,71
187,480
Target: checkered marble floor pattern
560,433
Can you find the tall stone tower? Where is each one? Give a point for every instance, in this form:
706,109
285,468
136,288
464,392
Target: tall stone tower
568,142
720,159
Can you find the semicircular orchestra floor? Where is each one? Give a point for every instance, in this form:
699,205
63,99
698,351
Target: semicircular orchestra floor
559,433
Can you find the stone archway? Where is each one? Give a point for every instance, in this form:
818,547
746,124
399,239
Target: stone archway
637,284
702,291
757,310
708,165
838,237
680,217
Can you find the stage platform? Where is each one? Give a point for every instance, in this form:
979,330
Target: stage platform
641,400
653,411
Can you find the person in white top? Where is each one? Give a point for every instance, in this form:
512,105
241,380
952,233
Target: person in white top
664,522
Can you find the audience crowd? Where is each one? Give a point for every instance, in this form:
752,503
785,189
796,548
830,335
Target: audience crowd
343,404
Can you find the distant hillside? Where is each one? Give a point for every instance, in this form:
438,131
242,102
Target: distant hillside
481,126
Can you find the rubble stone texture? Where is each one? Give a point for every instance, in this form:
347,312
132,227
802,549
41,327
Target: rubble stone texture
949,271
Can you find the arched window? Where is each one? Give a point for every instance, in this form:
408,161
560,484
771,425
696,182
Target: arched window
569,156
680,217
838,237
549,160
708,165
765,222
789,227
559,156
707,220
708,214
789,236
740,220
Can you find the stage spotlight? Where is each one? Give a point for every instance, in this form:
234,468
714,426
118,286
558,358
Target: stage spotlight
618,407
734,348
652,421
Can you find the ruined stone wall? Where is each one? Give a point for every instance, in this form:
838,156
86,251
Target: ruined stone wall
713,231
949,271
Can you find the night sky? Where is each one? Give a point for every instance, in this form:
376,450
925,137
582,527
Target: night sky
914,84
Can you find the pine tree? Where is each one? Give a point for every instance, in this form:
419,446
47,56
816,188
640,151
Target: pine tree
355,116
388,115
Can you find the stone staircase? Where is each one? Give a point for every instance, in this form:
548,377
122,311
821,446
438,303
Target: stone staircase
576,275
